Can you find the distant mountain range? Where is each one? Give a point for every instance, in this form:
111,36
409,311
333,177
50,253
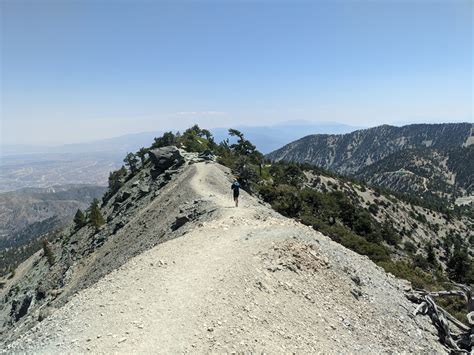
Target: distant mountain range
90,162
424,158
269,138
119,145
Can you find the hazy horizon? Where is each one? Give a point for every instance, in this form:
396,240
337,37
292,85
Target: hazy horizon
81,71
276,124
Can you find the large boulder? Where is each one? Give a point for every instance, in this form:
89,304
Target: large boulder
164,158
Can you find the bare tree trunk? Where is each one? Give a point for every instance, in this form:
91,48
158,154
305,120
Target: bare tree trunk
456,341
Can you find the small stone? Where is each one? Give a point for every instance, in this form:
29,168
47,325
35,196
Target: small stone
356,280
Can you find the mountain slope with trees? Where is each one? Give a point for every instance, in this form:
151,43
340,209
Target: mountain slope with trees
400,158
429,173
176,191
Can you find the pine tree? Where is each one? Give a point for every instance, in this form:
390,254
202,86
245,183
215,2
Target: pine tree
116,179
48,253
141,154
95,216
167,139
459,265
79,219
131,161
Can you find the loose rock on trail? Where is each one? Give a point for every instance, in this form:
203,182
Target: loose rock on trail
240,279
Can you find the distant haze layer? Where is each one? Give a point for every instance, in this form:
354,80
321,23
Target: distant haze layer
91,162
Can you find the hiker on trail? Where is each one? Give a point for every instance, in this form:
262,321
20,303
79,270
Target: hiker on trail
236,188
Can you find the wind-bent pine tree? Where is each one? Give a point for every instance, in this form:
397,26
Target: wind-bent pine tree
141,154
131,161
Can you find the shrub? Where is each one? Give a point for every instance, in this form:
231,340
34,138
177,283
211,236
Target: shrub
373,208
375,252
421,262
390,235
167,139
407,271
409,247
363,224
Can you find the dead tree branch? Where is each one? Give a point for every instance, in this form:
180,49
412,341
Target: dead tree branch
460,340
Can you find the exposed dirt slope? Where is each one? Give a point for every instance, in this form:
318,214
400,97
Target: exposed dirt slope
246,280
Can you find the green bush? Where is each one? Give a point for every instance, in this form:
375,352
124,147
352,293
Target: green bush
390,235
167,139
407,271
409,247
374,209
342,235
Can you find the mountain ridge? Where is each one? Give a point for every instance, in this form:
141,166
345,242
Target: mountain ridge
351,153
223,290
182,195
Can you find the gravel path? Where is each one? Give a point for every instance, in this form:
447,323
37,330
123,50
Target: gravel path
247,280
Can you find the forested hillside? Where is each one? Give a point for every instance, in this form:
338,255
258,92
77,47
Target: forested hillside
432,161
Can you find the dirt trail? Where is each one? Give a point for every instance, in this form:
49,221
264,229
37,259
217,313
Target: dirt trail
248,280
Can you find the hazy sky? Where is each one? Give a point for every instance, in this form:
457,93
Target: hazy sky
78,70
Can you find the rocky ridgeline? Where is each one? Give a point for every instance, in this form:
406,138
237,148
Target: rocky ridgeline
237,280
84,256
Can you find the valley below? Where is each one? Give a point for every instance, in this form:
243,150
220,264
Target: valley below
45,170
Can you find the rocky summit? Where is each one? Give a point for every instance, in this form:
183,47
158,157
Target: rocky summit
177,268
